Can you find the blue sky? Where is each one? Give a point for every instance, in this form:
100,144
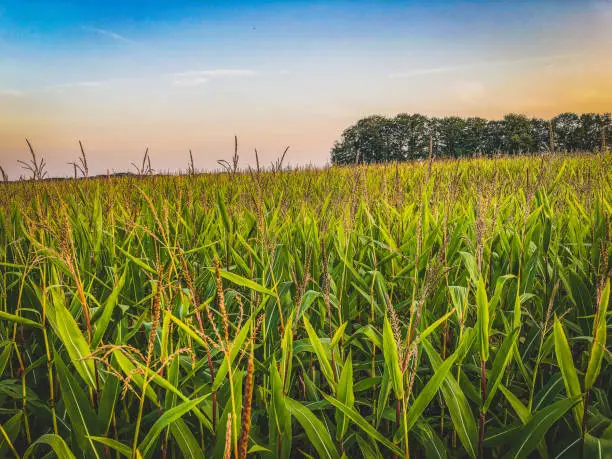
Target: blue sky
125,75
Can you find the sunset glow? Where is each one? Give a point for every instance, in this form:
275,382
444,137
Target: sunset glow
190,75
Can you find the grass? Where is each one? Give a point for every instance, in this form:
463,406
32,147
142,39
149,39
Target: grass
445,309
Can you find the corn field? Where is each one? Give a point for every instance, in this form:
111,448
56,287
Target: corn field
431,309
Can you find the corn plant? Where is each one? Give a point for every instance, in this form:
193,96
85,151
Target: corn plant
429,309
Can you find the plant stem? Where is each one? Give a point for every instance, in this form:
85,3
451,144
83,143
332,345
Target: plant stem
483,414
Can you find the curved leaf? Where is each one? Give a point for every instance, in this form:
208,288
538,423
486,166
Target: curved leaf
533,432
566,364
56,442
164,420
392,359
314,428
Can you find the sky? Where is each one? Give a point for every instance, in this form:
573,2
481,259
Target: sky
125,75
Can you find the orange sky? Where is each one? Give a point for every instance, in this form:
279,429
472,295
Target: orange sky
123,90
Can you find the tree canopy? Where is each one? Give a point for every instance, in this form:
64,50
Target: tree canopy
405,137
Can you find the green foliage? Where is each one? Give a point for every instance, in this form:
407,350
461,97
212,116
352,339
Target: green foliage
376,301
377,139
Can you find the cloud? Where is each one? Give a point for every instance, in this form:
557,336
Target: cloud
109,34
198,77
10,93
190,81
471,92
457,68
430,71
184,79
217,73
79,84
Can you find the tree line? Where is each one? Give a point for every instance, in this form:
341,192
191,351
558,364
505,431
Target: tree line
411,137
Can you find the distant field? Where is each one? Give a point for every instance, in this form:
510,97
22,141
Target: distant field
445,309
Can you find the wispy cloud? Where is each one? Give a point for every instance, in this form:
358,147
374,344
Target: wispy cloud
186,79
109,34
198,77
473,65
470,92
10,93
78,84
431,71
190,81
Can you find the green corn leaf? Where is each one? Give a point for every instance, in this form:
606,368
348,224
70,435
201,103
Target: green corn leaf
5,356
597,448
186,441
521,410
482,305
68,331
516,321
165,384
137,261
11,428
503,356
108,399
221,431
122,449
598,347
279,416
128,368
187,329
164,420
533,432
19,320
338,335
258,449
368,448
429,391
315,430
370,332
471,266
82,418
237,347
363,424
244,282
468,340
392,359
568,371
107,312
345,396
323,360
59,446
223,211
429,439
165,334
458,297
171,398
383,395
458,407
287,353
429,330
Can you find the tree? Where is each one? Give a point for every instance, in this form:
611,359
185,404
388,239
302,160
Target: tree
475,136
453,137
606,134
517,136
494,139
566,128
368,141
407,137
413,138
594,131
540,134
